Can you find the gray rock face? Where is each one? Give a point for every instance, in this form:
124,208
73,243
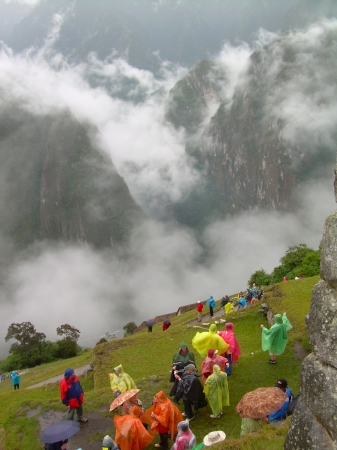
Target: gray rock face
314,422
305,432
322,323
329,251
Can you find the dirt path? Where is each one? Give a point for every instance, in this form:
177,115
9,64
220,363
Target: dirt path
79,371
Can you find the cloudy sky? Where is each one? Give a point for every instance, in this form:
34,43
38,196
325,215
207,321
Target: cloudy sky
93,290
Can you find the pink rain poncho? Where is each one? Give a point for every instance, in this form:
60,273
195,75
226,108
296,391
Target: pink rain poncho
275,339
229,337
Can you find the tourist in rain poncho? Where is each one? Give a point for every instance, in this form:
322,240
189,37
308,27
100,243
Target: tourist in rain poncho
229,307
234,350
121,381
185,439
209,362
216,390
130,432
163,416
275,339
211,303
206,340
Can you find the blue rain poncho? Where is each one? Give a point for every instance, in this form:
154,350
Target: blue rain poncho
206,340
275,339
216,390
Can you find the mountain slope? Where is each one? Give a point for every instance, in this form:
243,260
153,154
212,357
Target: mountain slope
57,185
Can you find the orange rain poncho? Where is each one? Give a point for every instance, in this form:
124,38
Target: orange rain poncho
130,432
206,340
167,416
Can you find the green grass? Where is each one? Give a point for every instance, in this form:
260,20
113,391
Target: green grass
147,358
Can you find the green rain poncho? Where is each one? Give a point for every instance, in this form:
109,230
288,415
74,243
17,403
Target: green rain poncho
216,390
275,339
206,340
121,381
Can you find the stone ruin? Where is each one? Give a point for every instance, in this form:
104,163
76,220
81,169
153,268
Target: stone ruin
313,424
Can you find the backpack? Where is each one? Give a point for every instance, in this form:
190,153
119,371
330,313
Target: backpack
292,404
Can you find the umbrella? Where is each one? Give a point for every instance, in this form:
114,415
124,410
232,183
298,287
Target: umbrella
59,431
150,322
261,402
123,397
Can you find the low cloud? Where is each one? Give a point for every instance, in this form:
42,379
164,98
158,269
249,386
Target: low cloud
54,284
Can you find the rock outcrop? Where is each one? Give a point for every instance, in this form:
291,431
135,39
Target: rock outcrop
314,422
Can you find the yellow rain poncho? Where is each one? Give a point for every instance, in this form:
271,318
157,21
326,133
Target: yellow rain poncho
216,390
229,308
121,381
206,340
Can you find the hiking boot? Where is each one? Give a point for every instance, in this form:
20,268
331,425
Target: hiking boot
184,414
83,420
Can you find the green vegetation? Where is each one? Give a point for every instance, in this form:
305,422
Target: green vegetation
32,349
299,261
147,358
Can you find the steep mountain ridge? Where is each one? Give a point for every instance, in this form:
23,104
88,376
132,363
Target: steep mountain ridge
254,154
57,185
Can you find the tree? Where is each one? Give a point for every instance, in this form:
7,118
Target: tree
129,328
69,332
28,351
260,278
26,335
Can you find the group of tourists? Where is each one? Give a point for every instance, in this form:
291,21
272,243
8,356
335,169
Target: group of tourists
252,296
137,426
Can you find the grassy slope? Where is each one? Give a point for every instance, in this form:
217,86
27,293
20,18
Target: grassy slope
147,358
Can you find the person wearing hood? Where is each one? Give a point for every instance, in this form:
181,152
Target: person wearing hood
229,307
234,351
181,359
185,439
211,303
163,416
275,339
190,390
209,362
72,395
130,432
121,381
15,377
207,340
216,390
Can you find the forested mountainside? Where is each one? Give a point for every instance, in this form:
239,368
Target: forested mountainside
56,185
259,144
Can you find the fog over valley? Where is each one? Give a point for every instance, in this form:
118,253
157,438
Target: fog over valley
194,232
